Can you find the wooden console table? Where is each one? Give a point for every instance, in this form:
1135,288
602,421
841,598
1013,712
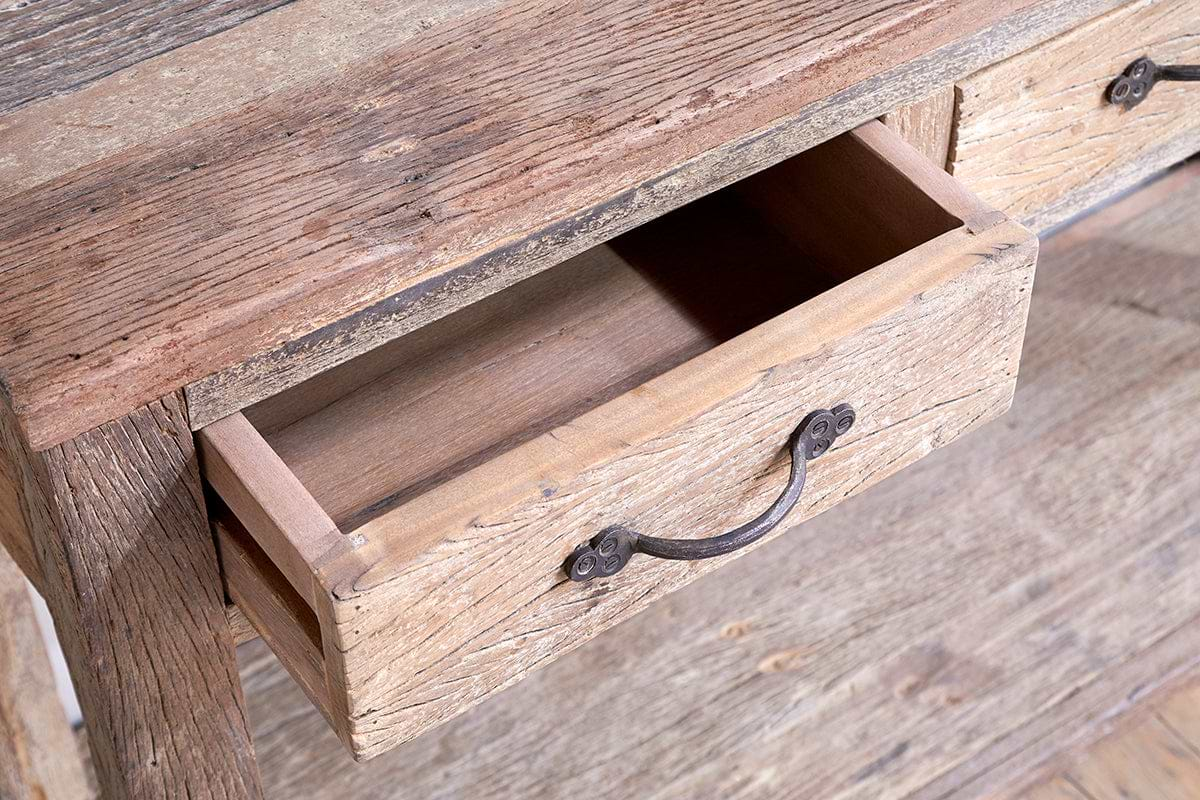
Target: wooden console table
297,239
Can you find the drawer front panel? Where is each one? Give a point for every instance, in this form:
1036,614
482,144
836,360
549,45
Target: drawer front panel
1035,136
923,351
460,487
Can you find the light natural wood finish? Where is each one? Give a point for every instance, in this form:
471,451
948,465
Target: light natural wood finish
1182,714
274,607
287,523
927,124
38,757
1035,136
1004,599
515,453
1153,754
130,575
335,214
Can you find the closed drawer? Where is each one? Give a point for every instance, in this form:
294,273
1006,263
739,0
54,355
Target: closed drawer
1036,137
398,528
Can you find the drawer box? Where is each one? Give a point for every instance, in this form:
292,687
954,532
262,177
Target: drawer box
1035,136
397,528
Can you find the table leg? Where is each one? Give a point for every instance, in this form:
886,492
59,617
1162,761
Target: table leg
38,755
131,578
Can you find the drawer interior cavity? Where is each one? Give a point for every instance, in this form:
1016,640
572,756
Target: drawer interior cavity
381,429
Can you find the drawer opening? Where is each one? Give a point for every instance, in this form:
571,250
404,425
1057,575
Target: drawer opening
434,404
396,527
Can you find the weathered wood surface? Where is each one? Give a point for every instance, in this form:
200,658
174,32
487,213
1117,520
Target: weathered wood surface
524,361
131,578
271,241
15,538
943,635
38,757
54,47
414,632
1035,136
422,633
927,124
1152,754
290,526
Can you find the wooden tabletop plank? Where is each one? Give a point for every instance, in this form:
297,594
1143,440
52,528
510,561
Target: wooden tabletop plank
254,247
52,47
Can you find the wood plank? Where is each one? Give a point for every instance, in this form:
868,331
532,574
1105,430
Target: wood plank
14,536
1143,755
1182,713
1035,137
927,124
131,579
1149,762
288,624
54,47
514,366
524,511
330,217
38,757
294,531
1006,598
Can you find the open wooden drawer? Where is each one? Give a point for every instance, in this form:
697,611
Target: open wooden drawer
397,527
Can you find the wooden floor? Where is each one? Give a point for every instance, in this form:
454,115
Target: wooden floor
950,633
1153,755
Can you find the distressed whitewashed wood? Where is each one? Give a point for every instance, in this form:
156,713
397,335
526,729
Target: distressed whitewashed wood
1035,137
1002,600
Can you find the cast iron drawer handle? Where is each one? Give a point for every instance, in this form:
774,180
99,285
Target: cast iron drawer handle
1135,82
611,549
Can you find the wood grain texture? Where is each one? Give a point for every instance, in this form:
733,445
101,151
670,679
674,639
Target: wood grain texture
14,536
330,217
518,453
294,531
512,367
273,607
1035,136
53,47
996,603
927,124
38,757
696,450
131,578
1151,752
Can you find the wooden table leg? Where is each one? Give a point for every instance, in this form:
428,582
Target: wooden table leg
130,575
38,755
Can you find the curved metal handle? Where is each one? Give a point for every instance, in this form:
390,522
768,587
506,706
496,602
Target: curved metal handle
1135,81
610,550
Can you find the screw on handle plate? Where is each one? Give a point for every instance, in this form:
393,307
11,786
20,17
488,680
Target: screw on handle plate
1136,80
609,551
